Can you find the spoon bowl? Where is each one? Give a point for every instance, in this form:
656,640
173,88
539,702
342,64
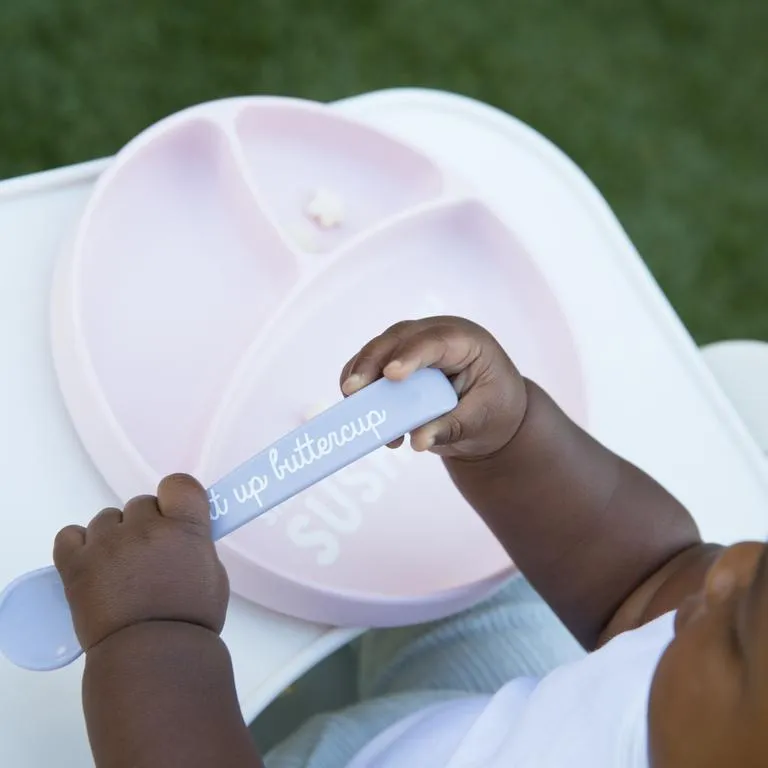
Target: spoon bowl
36,630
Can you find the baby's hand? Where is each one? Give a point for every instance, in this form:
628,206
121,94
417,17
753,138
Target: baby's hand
154,561
492,394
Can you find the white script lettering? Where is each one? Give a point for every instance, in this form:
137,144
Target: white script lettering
308,450
253,490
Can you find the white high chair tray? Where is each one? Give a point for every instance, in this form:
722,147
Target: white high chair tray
650,395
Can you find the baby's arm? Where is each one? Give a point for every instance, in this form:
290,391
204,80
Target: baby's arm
605,545
148,597
163,694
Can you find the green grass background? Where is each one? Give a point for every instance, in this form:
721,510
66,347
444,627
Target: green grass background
664,103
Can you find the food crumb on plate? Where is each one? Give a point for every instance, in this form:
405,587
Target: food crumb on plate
326,208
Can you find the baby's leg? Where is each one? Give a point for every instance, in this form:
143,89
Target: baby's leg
405,670
512,634
332,740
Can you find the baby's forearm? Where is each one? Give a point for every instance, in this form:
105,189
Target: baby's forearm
163,694
584,526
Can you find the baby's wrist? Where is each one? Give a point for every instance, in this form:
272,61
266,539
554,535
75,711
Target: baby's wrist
165,690
147,635
500,456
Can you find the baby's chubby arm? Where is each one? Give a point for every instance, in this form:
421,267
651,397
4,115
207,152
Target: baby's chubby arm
605,545
148,597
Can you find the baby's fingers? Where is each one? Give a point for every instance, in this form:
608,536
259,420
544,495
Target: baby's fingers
367,366
445,346
448,343
67,542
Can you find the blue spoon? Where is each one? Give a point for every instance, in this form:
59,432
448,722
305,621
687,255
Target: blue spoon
36,630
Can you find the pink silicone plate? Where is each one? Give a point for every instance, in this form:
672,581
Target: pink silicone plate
201,312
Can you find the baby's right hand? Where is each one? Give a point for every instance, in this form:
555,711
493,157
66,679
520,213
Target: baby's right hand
492,393
154,561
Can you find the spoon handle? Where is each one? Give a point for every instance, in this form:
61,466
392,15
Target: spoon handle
363,422
36,630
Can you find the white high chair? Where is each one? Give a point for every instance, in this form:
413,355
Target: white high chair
741,369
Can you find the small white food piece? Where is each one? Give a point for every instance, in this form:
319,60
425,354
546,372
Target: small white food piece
326,209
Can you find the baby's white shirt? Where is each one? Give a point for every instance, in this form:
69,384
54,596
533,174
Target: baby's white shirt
591,713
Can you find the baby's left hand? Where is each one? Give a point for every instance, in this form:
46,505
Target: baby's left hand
154,561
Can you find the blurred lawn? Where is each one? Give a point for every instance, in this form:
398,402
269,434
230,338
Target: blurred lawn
663,102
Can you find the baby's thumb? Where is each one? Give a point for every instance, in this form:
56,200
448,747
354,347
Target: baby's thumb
438,433
181,497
